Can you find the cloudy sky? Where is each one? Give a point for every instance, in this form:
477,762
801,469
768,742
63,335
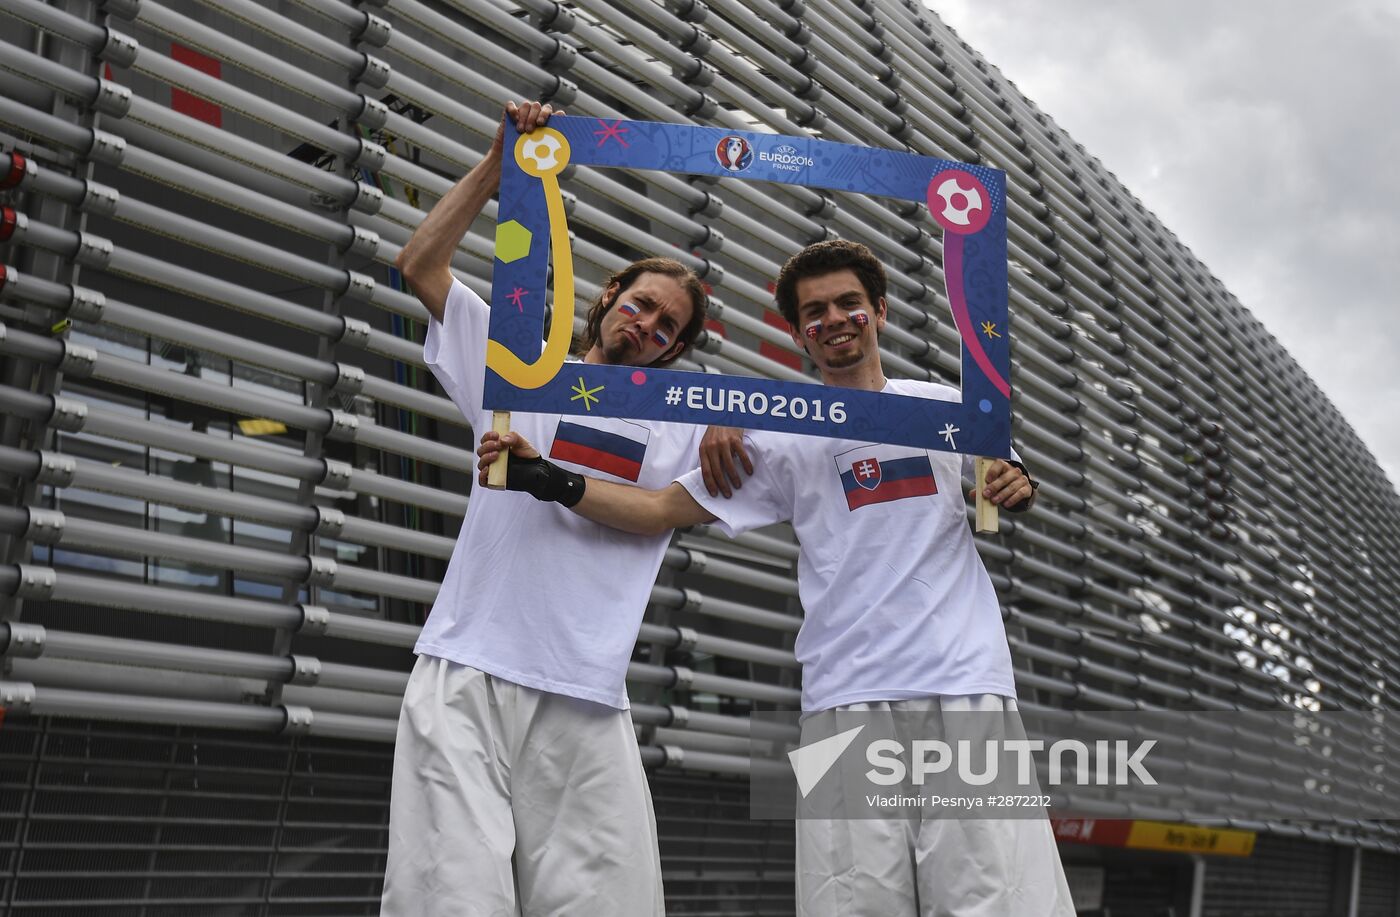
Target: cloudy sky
1265,134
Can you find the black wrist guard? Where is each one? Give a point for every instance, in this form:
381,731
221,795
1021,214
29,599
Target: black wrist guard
1035,485
544,480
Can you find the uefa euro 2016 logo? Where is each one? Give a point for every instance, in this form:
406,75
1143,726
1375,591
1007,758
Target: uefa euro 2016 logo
734,153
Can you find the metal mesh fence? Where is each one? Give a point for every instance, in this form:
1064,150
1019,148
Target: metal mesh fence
228,485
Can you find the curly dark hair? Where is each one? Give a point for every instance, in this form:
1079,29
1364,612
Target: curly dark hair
823,258
624,278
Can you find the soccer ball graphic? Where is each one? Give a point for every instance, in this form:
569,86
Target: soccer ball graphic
543,152
958,202
734,153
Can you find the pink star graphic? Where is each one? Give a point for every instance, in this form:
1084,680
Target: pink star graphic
612,131
516,296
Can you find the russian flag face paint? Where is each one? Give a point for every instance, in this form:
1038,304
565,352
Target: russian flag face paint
813,329
661,339
628,309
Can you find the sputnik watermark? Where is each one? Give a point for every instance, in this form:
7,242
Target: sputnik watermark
854,764
892,763
811,762
923,759
1115,764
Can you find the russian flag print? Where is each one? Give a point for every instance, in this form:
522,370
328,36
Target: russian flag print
607,444
880,474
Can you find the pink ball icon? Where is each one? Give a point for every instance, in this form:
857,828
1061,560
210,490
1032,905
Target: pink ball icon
959,202
639,377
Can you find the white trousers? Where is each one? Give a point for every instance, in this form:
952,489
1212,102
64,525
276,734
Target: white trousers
930,867
512,802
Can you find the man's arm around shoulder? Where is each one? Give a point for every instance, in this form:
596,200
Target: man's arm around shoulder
620,506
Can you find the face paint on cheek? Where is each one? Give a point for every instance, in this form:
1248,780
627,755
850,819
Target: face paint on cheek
660,339
860,319
812,329
628,309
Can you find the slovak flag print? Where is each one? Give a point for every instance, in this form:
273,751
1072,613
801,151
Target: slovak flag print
608,444
879,474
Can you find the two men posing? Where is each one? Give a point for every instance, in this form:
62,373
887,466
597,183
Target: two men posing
517,785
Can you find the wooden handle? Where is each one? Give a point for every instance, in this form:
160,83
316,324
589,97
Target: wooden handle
496,474
988,519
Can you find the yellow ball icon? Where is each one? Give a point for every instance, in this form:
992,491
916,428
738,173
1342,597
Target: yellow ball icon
543,151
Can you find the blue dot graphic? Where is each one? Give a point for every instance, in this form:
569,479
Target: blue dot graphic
985,405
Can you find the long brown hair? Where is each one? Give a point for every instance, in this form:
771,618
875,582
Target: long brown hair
625,278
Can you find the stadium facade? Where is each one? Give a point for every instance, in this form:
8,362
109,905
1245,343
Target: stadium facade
229,487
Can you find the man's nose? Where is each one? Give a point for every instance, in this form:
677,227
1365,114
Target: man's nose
834,316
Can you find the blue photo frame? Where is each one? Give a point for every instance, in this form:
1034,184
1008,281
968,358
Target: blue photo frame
968,202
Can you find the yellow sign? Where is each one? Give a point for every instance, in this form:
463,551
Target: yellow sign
260,426
1157,835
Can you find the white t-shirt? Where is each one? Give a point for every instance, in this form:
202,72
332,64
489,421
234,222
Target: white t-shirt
534,593
897,603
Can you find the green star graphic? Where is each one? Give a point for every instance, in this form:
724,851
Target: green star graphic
587,394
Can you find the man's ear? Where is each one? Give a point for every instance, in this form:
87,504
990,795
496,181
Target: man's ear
676,350
880,311
610,293
798,340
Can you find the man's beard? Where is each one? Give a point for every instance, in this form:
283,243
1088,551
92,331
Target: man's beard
846,360
617,351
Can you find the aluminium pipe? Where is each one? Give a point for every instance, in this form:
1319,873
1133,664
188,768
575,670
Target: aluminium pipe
693,600
186,132
100,704
118,594
110,368
698,562
677,717
53,467
55,527
106,592
216,448
207,87
232,98
226,243
717,646
51,19
22,118
106,705
53,75
688,741
204,338
455,71
468,41
36,641
365,27
251,59
681,677
239,184
303,38
143,267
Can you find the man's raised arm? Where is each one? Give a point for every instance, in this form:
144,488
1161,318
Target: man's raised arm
426,260
619,506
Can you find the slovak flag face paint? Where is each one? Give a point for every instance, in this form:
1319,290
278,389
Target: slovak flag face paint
813,329
628,309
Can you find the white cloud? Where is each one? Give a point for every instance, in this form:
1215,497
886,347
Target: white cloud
1263,135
